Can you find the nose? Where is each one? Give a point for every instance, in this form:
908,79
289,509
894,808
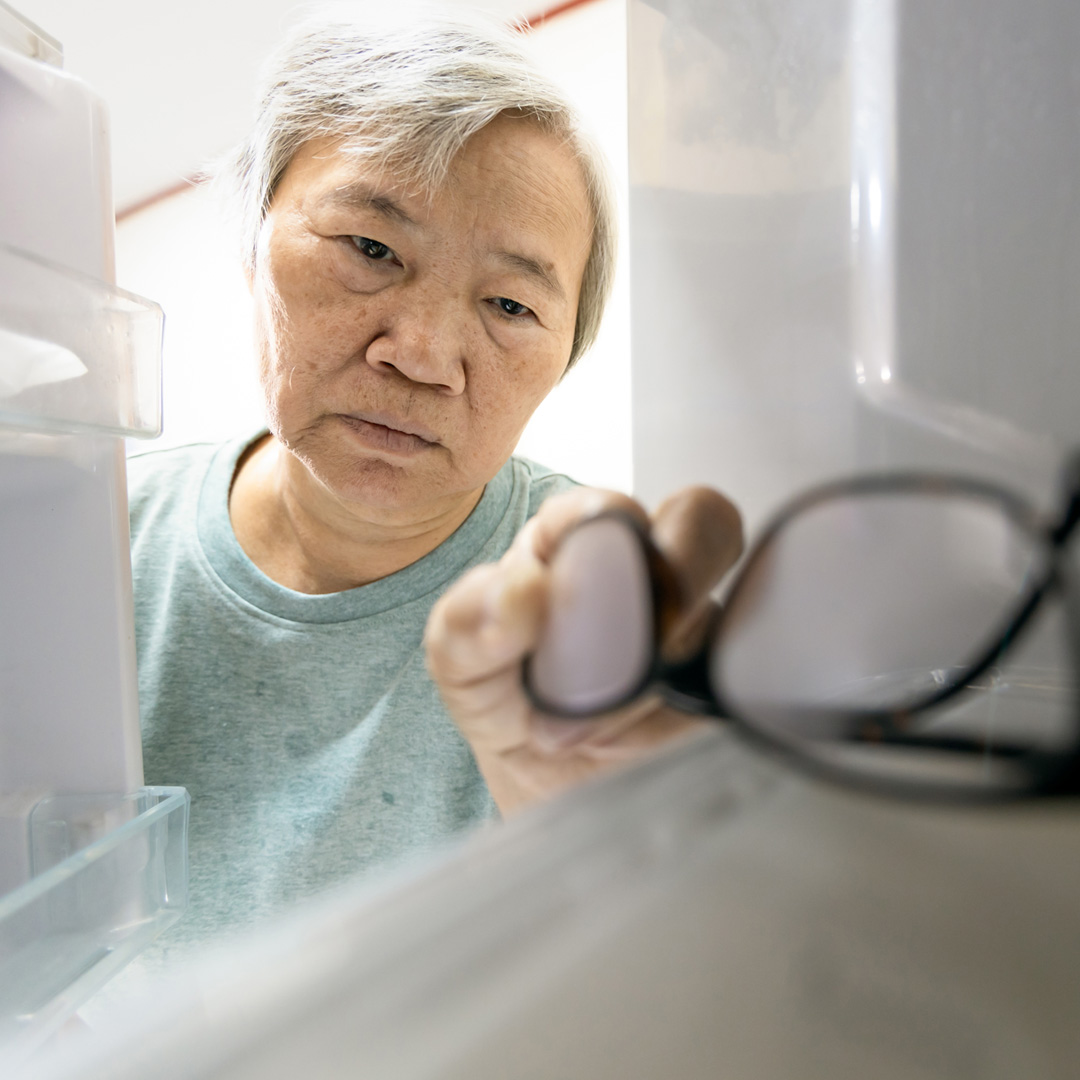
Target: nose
423,342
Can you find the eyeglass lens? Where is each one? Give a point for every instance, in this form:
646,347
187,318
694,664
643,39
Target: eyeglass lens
869,604
598,645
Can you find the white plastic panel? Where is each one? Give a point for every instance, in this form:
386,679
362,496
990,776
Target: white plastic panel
58,202
86,879
68,706
741,150
854,240
72,354
987,209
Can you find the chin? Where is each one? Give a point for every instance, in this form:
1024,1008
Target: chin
395,491
375,482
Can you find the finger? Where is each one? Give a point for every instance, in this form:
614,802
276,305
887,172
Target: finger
699,533
475,637
486,622
617,736
557,515
553,735
656,729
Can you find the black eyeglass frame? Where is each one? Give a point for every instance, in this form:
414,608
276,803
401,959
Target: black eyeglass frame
688,685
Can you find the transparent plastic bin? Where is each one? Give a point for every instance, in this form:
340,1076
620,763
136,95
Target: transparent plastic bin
110,873
76,354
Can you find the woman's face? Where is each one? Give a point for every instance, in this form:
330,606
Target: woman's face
405,337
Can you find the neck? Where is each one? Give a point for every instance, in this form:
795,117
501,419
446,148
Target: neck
302,536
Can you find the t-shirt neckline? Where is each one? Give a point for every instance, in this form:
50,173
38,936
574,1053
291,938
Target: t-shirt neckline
239,574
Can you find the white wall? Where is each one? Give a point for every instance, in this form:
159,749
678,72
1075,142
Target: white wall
180,77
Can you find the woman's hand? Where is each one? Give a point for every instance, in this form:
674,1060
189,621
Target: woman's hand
482,629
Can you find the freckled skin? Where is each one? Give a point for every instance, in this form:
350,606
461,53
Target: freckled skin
419,334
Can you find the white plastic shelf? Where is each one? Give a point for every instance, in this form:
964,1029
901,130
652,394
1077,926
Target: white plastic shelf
76,354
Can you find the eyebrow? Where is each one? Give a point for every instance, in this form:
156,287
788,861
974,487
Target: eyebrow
361,197
542,273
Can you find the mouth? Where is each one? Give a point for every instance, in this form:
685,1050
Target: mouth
380,431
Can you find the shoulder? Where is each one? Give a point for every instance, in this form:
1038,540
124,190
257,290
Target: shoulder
539,482
510,499
149,471
146,468
156,476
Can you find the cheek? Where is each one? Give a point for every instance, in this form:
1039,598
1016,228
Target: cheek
516,386
297,289
269,333
295,352
299,328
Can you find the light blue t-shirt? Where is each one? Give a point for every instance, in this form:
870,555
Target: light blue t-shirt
306,728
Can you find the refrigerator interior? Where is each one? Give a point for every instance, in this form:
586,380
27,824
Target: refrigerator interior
854,245
92,864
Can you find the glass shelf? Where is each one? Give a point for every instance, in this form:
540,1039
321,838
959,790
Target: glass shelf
76,354
109,874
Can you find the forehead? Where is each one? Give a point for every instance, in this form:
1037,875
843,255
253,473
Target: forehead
510,177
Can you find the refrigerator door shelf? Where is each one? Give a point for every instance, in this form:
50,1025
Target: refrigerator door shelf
110,873
76,355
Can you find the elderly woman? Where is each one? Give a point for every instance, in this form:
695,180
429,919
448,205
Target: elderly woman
429,242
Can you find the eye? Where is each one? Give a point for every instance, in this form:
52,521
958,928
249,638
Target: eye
510,308
372,249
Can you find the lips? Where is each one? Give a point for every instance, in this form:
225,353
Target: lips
381,431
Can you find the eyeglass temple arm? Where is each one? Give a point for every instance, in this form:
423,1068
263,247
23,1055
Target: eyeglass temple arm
1071,514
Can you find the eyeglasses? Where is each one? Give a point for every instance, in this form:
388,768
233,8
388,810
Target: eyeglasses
859,639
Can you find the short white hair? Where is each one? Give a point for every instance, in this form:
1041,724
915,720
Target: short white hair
408,96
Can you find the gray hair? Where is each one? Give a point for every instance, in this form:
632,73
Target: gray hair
409,97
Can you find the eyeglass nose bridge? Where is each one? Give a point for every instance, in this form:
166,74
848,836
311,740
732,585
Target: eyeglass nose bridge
687,685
